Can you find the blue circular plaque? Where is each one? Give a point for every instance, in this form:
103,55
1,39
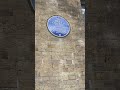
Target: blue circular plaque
58,26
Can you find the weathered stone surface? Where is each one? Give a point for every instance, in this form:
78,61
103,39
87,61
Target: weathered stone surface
16,45
102,45
60,62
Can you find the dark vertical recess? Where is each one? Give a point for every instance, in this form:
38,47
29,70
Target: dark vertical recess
102,45
17,45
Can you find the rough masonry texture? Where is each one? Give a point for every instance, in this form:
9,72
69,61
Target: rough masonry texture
102,45
59,62
16,45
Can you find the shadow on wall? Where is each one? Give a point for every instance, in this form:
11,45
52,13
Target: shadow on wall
103,45
16,45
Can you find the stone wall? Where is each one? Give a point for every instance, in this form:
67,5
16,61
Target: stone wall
103,45
60,62
16,45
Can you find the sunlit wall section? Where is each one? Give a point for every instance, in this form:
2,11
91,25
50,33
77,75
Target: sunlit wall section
60,62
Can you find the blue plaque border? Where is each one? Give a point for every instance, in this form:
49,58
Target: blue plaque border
65,20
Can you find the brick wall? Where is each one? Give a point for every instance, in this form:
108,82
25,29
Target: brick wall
60,62
16,45
102,45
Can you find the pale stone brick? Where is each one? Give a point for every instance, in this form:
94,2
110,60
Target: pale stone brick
59,59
